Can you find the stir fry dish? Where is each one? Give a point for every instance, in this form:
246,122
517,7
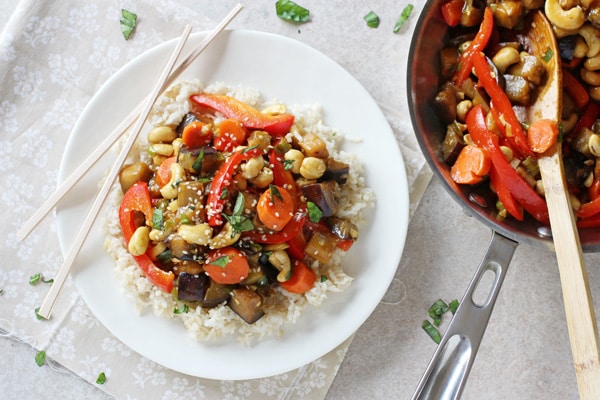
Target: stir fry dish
235,206
490,78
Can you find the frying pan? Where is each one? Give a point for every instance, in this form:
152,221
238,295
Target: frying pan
447,372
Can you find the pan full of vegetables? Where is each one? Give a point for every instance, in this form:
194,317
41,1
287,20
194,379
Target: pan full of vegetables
471,78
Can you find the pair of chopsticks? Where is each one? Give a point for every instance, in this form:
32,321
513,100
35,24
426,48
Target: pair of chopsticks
139,116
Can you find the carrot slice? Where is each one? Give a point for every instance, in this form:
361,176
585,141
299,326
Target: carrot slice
196,134
275,207
163,173
231,133
471,165
302,280
542,134
227,266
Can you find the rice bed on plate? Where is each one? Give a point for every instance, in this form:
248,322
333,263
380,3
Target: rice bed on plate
221,321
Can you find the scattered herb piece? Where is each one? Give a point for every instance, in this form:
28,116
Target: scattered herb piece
1,292
453,306
37,313
314,212
274,192
37,278
288,164
548,54
181,310
221,261
403,17
290,11
432,331
128,22
324,278
101,379
197,165
184,219
239,222
157,219
372,19
165,256
224,194
437,310
40,358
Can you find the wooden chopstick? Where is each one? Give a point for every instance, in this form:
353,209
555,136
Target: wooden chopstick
85,166
46,307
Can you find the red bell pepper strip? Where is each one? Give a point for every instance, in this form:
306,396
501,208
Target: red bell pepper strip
465,62
518,187
223,178
589,116
137,198
514,131
452,11
575,89
594,189
290,230
250,117
589,209
504,195
590,222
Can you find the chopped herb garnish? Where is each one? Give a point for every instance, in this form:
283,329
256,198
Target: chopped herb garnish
181,310
128,22
372,19
432,331
548,55
40,358
221,261
101,379
184,219
274,192
290,11
437,310
314,212
1,291
197,165
324,278
224,194
165,256
37,313
247,149
37,278
403,17
453,306
239,222
288,164
157,219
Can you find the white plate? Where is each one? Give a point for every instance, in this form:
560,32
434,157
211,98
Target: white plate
291,72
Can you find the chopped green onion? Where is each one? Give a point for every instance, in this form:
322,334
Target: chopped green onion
403,17
290,11
432,331
288,164
37,313
128,22
314,212
372,19
437,310
101,379
40,358
37,278
183,310
453,306
548,55
324,278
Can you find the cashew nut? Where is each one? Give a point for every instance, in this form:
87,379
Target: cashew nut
590,77
506,57
169,191
570,19
195,234
280,260
591,35
138,244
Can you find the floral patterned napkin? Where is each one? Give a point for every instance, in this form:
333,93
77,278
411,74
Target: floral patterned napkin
53,57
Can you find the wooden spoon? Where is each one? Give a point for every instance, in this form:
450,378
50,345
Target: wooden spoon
581,320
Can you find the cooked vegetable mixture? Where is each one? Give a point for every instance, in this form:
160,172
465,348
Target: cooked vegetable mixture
491,79
233,206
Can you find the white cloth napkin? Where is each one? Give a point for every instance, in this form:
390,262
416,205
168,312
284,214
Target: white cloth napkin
53,57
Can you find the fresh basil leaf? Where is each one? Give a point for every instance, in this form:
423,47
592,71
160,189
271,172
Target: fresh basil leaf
403,17
290,11
274,192
220,262
314,212
128,22
372,19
